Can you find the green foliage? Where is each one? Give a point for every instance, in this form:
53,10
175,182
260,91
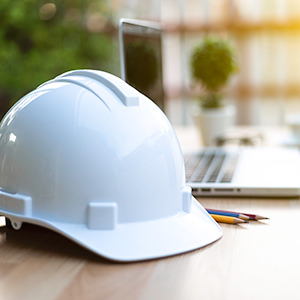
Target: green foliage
39,40
211,100
212,63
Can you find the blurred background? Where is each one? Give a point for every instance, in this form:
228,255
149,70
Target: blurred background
42,39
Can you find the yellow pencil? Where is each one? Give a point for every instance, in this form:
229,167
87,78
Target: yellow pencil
226,219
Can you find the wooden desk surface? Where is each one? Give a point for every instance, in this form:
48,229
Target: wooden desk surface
259,260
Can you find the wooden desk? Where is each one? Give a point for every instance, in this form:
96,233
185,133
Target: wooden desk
259,260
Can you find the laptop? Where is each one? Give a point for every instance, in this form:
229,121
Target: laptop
211,171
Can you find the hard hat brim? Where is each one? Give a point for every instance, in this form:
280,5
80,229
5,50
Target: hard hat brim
180,233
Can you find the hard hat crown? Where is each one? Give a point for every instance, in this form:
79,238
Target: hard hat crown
85,154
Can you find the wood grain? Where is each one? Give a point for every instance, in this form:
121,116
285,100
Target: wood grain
257,260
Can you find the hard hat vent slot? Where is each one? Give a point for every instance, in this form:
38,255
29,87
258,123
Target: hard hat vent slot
102,215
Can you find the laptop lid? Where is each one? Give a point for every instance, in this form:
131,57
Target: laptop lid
141,57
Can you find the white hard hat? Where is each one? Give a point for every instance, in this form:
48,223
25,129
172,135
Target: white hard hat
88,156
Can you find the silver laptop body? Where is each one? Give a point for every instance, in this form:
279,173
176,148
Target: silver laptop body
220,171
244,171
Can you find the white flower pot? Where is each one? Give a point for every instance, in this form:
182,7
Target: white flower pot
213,123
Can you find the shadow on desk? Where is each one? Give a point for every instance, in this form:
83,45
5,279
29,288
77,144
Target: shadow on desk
40,240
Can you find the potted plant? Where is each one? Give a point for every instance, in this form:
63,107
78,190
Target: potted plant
213,62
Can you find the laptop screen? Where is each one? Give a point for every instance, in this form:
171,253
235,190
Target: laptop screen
141,58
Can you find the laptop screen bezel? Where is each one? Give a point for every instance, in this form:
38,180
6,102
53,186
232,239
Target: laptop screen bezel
147,31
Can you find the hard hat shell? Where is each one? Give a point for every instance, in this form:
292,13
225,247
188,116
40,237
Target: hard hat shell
88,156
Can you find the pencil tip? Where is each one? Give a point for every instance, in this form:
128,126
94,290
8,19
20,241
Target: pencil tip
237,220
261,218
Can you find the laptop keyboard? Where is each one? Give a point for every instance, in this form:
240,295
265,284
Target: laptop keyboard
211,165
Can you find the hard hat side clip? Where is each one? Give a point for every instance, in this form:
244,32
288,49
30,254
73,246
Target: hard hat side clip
16,203
102,215
187,199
